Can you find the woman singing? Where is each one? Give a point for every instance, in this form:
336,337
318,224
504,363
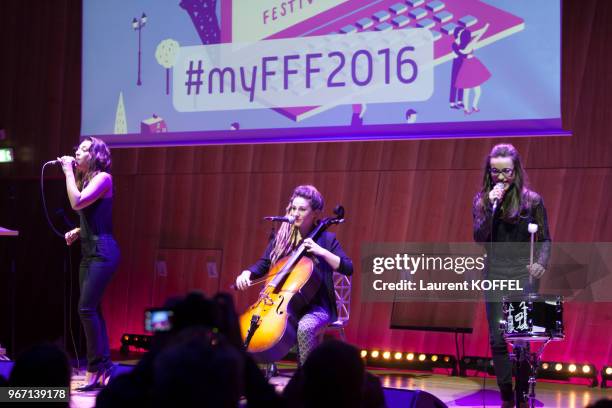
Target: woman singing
502,211
90,193
305,205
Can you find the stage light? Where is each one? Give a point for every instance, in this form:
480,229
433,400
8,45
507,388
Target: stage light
564,372
135,340
584,371
548,369
608,371
411,361
476,363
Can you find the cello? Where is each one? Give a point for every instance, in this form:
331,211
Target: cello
269,326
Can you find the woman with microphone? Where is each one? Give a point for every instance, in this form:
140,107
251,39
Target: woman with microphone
502,211
89,185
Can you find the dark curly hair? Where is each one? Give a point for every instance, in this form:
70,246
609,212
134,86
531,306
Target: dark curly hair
100,161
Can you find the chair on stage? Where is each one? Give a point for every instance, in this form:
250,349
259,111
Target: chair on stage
342,290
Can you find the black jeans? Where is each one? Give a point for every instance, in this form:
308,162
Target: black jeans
499,347
99,263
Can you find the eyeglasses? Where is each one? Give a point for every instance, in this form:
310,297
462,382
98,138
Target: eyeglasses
507,172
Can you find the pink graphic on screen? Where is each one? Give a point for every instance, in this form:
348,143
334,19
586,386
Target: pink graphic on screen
441,17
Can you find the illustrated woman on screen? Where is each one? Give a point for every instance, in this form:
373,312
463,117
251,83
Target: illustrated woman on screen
471,73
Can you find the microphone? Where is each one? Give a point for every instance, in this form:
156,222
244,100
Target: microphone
496,201
289,219
58,161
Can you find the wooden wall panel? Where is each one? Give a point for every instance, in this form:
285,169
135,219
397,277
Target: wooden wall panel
224,211
180,271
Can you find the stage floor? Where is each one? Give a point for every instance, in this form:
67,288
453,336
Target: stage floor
454,391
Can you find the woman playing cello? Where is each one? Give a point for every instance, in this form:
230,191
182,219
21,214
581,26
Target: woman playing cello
305,206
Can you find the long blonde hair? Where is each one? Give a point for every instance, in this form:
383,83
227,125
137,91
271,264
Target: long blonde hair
288,236
100,161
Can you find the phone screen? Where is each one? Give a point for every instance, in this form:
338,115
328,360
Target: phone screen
158,320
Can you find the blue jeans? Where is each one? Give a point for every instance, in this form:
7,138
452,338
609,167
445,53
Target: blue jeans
98,265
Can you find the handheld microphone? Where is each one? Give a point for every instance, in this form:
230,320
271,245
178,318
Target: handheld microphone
58,161
289,219
496,201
